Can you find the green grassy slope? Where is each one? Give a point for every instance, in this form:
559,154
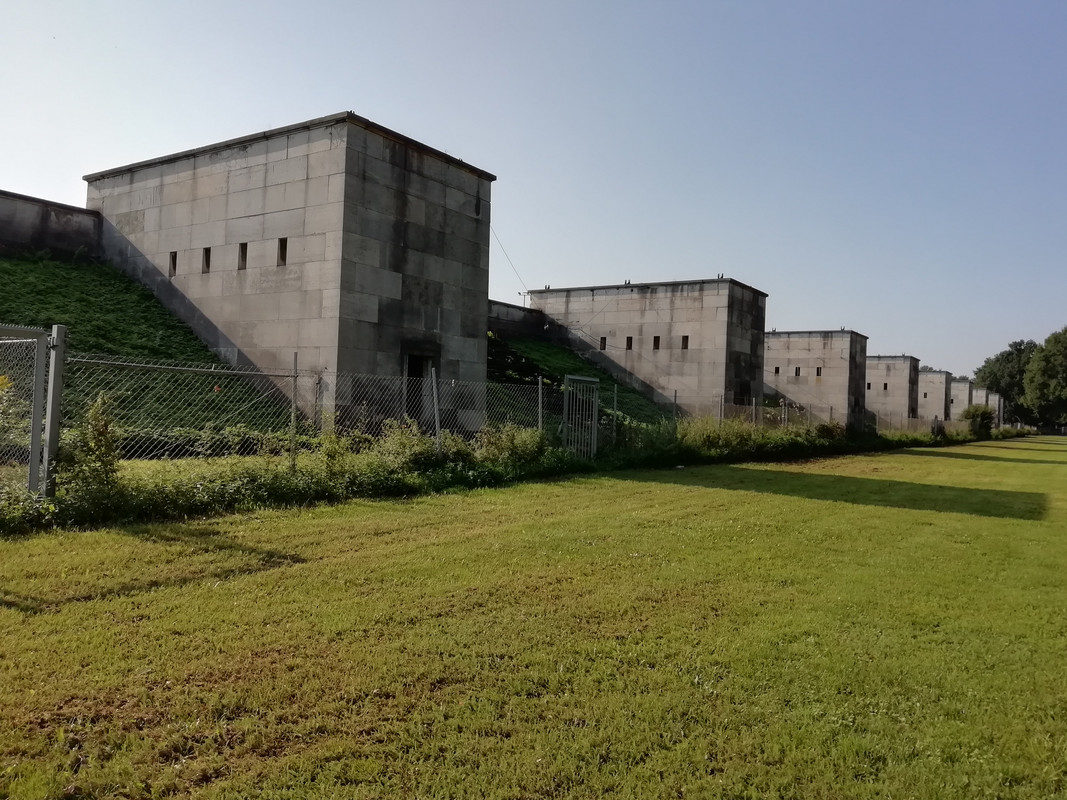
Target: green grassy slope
523,360
885,626
105,312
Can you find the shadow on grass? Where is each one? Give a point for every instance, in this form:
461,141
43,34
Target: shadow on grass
861,491
970,455
198,539
20,602
1022,445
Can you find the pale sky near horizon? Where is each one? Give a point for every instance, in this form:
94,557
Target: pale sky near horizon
898,168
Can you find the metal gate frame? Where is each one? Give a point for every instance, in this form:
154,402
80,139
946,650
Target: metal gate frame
581,409
44,408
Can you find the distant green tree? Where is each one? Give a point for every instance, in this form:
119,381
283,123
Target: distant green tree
1003,374
981,418
1046,380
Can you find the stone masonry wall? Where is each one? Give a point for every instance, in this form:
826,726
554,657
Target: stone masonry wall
414,262
893,386
701,339
960,397
935,394
30,223
242,241
821,370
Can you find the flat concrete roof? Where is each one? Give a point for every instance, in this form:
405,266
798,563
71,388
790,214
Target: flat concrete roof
654,284
320,122
891,358
839,332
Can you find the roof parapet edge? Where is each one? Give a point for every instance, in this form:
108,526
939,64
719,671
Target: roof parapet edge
318,122
639,284
817,333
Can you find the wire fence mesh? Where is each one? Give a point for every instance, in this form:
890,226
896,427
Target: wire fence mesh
167,410
18,369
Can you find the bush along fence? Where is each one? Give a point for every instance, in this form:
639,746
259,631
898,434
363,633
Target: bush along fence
143,440
158,411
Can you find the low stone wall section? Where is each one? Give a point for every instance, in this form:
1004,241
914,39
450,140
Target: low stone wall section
30,223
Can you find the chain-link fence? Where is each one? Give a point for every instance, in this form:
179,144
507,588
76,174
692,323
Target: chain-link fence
772,414
168,410
172,411
17,381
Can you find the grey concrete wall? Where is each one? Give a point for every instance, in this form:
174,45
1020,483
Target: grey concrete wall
508,320
935,394
893,386
209,202
30,223
640,328
823,371
995,402
960,398
415,260
358,248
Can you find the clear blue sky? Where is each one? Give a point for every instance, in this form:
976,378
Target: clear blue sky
899,168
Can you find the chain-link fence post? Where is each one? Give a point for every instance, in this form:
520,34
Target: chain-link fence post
37,413
540,404
58,346
615,417
436,407
292,418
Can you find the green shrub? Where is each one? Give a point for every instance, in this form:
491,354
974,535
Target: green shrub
509,444
403,446
1011,433
981,418
830,431
402,462
90,459
22,512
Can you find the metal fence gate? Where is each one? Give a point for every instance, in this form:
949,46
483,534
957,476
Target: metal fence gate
580,412
31,362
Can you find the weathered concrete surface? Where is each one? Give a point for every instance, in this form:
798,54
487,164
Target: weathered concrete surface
359,249
30,223
700,339
935,394
823,371
893,386
961,397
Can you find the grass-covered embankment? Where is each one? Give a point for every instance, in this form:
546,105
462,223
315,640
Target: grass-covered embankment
104,311
108,314
527,360
871,626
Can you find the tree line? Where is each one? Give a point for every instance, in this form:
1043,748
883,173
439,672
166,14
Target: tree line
1031,379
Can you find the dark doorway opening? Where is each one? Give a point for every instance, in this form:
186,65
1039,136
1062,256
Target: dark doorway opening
417,371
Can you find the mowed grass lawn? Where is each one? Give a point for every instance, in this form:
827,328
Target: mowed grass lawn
883,626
